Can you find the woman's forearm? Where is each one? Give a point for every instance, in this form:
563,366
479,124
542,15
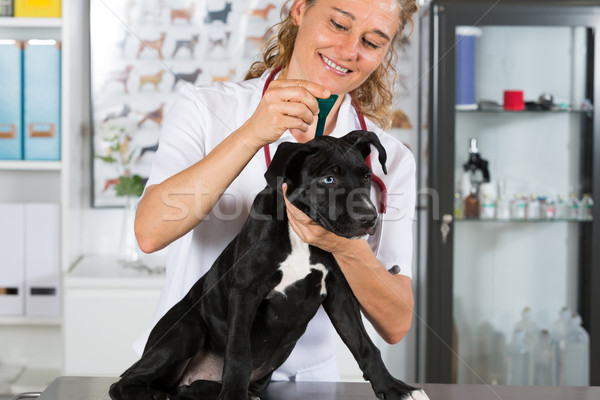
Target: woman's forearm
172,208
386,299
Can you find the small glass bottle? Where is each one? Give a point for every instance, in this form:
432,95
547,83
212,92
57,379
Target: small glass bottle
562,208
517,208
574,206
586,210
458,206
472,205
548,208
533,208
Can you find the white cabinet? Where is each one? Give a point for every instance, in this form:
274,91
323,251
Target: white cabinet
36,343
106,308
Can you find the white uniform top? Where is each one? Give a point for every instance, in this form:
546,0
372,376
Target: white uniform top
197,122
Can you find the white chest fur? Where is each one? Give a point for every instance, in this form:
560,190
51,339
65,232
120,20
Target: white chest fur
297,265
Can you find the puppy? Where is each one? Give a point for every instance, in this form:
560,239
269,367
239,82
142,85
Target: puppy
241,320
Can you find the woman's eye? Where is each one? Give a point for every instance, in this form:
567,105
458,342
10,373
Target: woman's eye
370,44
338,26
329,180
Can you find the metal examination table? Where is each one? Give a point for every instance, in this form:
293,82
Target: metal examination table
88,388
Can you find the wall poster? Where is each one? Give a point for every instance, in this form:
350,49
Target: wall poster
142,51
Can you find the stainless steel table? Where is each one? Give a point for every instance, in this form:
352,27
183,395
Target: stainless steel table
84,388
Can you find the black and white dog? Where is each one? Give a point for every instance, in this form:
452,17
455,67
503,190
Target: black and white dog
241,320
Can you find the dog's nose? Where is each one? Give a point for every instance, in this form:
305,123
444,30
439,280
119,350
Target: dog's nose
366,212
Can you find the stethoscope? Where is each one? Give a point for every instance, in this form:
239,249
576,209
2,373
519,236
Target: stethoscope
375,179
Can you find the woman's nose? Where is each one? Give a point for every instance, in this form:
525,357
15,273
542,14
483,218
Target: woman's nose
349,47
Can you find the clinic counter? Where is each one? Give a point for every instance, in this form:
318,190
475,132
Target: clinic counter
84,388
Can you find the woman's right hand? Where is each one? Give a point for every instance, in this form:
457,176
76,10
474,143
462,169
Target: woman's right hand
286,104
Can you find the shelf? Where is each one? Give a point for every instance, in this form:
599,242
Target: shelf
30,321
539,112
30,165
15,22
96,271
532,221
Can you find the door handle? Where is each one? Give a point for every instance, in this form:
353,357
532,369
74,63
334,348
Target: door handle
445,228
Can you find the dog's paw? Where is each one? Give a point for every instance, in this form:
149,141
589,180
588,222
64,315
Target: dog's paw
418,395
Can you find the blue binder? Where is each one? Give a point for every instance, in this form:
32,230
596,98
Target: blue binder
11,100
42,100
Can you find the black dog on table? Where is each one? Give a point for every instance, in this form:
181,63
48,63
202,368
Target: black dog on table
242,319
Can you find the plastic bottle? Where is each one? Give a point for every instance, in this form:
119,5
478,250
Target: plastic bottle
518,360
487,194
529,328
577,355
560,328
586,211
502,203
545,360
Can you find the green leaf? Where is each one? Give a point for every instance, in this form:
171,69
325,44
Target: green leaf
130,186
107,159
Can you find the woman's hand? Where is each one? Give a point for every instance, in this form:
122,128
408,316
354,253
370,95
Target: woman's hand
313,233
287,104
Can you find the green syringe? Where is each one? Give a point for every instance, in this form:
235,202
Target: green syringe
325,105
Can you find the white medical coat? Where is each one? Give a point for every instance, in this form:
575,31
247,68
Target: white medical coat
197,122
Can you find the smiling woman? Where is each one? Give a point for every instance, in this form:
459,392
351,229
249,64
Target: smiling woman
368,27
210,152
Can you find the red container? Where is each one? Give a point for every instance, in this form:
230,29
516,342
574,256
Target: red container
513,100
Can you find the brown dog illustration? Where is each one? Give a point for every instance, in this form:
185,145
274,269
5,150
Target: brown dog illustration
153,45
224,78
154,79
185,13
119,76
155,116
261,12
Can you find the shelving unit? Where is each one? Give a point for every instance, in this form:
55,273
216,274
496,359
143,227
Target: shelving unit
11,22
30,165
37,342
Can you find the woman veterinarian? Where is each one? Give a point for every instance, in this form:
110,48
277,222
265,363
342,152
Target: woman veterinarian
210,164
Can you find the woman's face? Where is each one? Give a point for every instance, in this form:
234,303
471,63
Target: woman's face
341,42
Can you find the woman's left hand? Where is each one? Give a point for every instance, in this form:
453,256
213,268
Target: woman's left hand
312,233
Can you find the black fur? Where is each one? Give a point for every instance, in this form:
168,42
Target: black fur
232,313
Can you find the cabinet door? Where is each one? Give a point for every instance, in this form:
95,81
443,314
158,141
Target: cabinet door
517,246
101,326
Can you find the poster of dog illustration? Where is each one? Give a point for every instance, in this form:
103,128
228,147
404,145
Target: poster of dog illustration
144,51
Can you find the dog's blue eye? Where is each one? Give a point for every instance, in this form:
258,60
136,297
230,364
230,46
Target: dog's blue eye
329,180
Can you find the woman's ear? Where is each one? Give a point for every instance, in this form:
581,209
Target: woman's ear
297,11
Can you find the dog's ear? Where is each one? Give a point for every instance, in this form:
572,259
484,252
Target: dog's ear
287,154
362,140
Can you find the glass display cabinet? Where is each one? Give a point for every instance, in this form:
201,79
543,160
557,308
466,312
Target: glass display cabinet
513,244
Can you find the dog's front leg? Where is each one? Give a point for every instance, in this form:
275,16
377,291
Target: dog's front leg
238,358
344,311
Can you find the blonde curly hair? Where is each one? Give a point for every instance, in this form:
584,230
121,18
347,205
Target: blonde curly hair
374,97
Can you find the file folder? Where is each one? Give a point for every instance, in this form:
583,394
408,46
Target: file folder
42,260
12,262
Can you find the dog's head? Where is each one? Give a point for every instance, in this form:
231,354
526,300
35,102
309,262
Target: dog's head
329,180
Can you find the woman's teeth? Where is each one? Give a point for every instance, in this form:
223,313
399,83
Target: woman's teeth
333,65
